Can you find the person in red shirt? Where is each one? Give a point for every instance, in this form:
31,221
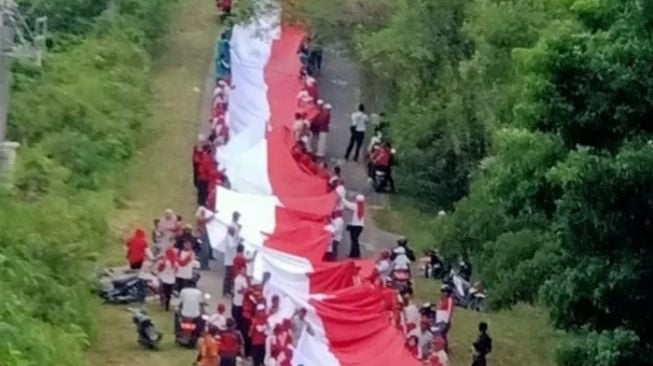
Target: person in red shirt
240,261
412,345
136,248
320,129
258,336
231,344
197,156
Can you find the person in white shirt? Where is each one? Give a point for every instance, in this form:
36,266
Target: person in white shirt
298,126
357,132
185,264
232,241
190,306
336,227
356,225
384,266
219,319
241,284
167,275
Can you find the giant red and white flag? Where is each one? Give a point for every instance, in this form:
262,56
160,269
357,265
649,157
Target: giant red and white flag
284,209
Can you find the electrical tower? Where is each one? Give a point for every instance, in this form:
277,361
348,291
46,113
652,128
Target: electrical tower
17,40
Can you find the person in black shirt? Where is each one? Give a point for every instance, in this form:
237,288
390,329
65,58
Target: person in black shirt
482,347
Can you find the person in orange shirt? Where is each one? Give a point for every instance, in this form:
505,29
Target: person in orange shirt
209,348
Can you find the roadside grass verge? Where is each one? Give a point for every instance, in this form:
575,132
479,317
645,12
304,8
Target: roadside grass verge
159,176
521,336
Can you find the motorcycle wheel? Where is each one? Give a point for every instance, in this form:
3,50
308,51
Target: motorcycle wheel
479,305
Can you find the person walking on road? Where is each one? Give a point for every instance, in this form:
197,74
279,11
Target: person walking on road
357,129
356,225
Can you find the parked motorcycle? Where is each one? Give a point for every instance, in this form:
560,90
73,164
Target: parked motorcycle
464,294
148,336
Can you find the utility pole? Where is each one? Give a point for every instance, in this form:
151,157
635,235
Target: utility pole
17,40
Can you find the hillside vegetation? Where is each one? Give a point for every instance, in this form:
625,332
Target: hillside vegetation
78,120
529,121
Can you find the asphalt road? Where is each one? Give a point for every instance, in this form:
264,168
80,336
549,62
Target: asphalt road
339,86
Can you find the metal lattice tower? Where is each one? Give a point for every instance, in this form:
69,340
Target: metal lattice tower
17,40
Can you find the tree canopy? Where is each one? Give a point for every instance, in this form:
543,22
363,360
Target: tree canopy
531,120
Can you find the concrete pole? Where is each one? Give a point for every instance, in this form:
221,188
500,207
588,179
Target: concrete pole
6,45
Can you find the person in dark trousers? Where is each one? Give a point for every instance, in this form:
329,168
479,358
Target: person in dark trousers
357,130
356,225
231,344
482,347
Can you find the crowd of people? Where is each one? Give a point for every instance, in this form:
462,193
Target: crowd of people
254,328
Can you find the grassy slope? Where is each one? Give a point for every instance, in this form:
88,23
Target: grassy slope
521,336
159,176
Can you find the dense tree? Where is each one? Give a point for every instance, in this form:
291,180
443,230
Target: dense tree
538,113
78,120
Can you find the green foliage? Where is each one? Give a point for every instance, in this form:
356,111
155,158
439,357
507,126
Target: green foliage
532,120
78,120
615,348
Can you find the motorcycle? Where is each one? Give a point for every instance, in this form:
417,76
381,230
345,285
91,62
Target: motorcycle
148,336
379,180
118,286
464,294
186,330
401,280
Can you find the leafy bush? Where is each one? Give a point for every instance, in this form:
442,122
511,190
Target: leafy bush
79,120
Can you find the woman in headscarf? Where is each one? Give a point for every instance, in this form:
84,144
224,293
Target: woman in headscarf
356,225
168,225
136,248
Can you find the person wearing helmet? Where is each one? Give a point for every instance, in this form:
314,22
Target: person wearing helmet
402,247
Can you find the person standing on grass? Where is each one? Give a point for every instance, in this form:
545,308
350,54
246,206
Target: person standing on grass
356,225
167,275
136,248
157,238
185,263
357,132
482,347
232,241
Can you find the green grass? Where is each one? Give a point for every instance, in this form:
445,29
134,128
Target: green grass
521,336
159,177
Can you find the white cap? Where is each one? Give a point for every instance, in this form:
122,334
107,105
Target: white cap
327,106
320,102
201,138
260,307
360,198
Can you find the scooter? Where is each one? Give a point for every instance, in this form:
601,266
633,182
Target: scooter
464,294
186,329
401,280
148,336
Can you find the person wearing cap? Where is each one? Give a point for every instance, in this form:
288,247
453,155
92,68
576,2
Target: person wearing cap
320,128
257,335
356,225
357,132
